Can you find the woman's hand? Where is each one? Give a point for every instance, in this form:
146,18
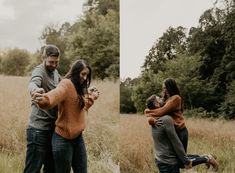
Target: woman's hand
88,102
93,92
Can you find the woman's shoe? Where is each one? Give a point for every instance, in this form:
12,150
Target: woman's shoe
212,161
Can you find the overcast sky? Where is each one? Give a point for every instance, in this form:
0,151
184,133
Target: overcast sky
144,21
22,21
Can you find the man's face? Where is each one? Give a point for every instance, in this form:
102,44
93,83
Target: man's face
157,103
51,63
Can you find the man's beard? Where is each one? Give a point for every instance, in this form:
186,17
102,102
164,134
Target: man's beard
49,68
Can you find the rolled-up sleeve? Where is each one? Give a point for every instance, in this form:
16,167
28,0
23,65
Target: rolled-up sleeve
36,80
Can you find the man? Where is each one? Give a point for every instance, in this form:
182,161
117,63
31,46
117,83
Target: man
169,151
45,77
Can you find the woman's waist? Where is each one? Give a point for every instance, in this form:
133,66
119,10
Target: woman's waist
179,121
70,130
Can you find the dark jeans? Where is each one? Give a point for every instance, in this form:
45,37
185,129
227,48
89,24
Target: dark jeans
196,159
39,151
167,168
69,153
183,136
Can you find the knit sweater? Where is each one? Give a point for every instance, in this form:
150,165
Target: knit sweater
167,145
71,119
172,107
42,78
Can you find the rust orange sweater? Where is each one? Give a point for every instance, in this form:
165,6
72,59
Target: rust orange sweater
172,107
71,119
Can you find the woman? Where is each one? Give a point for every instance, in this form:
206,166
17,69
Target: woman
173,106
70,95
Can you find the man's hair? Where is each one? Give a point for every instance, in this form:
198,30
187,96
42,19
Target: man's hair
150,102
50,50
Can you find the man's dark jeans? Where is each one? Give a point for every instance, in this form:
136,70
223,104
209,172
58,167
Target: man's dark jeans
39,151
69,153
167,168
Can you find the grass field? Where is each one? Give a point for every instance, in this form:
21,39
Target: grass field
101,134
205,136
113,141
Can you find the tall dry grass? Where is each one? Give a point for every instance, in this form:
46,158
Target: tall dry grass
101,134
135,145
205,136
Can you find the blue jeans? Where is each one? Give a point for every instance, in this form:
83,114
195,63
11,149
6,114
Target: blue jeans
39,151
167,168
183,136
69,153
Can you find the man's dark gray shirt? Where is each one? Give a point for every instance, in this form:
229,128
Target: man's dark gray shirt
41,78
167,145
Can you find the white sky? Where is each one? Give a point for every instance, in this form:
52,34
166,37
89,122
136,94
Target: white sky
144,21
22,21
141,23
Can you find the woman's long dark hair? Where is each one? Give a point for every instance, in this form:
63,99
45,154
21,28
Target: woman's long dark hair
172,89
74,75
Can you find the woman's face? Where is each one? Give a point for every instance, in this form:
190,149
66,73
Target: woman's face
165,92
83,75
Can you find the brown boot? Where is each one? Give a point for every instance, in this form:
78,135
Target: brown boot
189,165
208,164
212,161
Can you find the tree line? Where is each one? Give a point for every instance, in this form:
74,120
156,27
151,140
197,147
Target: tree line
94,37
201,60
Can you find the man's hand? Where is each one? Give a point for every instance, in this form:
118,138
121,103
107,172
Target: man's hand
155,121
36,91
158,122
151,121
38,98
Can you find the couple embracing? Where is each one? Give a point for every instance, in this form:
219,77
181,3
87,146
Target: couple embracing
169,132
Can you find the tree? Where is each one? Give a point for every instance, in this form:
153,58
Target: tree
15,62
148,84
172,42
228,106
102,6
126,103
203,64
58,36
96,39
